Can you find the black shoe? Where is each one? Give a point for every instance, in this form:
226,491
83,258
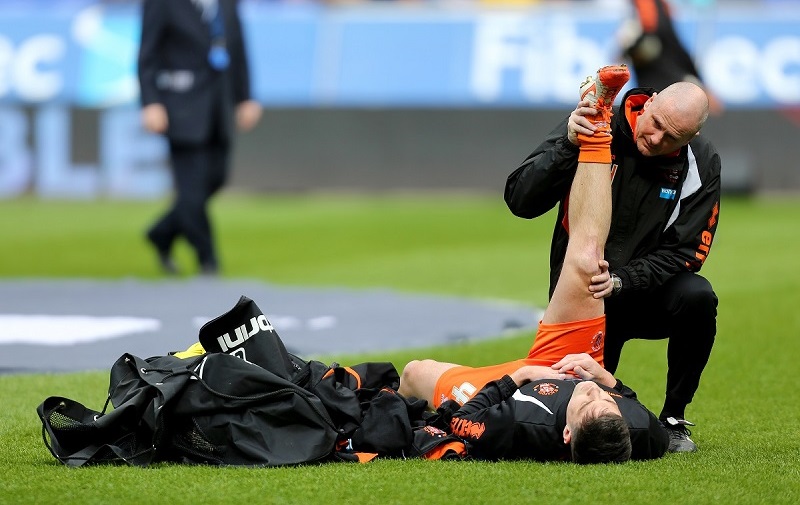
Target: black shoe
168,266
679,440
209,269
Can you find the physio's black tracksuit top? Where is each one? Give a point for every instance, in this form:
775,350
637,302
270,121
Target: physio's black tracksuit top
665,209
506,422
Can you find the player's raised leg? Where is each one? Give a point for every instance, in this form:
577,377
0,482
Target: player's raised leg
589,205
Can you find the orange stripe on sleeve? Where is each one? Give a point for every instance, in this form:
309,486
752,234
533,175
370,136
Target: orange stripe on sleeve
648,15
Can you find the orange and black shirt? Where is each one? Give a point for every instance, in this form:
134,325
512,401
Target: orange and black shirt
506,422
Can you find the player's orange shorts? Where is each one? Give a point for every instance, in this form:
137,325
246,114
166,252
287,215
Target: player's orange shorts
552,342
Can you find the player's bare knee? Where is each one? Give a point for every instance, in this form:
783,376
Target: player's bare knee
585,257
409,374
408,370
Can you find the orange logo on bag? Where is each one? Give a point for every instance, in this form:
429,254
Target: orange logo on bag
467,429
597,341
545,389
434,431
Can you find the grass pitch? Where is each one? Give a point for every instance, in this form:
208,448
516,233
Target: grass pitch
747,409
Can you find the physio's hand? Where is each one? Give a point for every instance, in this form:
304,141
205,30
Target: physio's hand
578,123
585,367
248,114
601,285
154,118
529,373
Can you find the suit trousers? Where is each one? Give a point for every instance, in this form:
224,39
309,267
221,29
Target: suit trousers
198,171
683,310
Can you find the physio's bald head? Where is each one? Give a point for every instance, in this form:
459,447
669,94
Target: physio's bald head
687,101
671,119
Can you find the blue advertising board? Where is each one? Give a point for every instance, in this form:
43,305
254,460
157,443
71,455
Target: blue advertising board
83,53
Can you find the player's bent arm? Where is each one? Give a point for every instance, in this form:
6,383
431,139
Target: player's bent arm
585,367
487,420
529,373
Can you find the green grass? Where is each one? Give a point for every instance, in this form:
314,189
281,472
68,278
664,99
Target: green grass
747,409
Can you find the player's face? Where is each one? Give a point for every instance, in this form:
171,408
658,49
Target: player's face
660,132
589,401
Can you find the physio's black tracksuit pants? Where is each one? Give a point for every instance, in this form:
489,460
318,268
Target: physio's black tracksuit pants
684,310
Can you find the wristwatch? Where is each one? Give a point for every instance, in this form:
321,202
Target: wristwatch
617,283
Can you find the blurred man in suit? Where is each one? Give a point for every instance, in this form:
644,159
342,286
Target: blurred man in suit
195,90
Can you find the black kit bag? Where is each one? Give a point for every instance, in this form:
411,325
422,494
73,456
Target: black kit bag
237,413
361,400
133,431
215,409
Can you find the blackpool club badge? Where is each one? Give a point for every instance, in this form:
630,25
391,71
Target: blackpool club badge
545,389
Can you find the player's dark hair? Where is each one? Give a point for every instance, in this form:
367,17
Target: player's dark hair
601,439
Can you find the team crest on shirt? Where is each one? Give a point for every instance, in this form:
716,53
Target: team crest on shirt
545,389
597,341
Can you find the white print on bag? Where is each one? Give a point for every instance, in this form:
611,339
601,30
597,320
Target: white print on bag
258,324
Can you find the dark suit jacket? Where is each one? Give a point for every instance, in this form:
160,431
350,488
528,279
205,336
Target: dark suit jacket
174,69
